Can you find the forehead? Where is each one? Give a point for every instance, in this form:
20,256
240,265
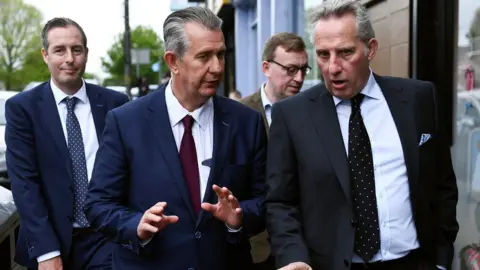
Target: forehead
335,31
68,35
291,57
201,38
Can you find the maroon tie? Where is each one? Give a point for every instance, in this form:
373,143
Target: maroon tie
188,157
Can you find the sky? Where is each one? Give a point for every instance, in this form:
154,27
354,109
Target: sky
102,21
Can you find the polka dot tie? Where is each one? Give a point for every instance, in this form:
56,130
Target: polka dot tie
367,231
79,162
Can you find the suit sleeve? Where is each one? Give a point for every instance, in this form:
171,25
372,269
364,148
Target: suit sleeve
446,193
253,215
108,188
284,223
26,182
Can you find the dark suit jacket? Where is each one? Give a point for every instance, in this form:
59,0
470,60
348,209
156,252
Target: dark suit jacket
40,169
138,165
309,209
254,101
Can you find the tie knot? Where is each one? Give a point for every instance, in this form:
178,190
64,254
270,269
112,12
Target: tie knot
70,102
188,122
356,101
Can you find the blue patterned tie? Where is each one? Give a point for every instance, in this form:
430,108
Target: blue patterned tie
79,162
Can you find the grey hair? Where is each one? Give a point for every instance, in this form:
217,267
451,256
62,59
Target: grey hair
338,8
174,27
60,22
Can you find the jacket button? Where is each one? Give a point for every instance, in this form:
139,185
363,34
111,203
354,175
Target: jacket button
198,235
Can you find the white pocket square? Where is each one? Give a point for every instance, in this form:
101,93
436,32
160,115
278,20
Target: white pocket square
424,138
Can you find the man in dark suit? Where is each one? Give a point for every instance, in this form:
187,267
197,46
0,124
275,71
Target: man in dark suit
285,64
52,136
180,176
364,180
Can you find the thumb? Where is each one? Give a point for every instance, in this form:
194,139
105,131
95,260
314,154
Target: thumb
209,207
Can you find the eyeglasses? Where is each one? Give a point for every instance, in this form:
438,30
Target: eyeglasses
292,70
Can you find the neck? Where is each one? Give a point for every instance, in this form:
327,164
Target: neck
269,92
69,89
191,102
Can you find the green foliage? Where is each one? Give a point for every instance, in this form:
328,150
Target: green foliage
19,22
141,37
474,31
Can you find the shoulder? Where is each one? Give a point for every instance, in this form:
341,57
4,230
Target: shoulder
301,99
235,107
29,95
250,98
406,83
109,93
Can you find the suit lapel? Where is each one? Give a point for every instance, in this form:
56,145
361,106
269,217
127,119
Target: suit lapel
258,105
51,119
222,125
158,120
323,114
402,111
98,107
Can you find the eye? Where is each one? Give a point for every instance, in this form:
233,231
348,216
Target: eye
322,54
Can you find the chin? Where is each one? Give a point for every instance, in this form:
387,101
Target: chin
208,92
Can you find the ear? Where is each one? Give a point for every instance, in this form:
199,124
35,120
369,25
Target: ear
45,56
171,59
266,68
372,48
86,54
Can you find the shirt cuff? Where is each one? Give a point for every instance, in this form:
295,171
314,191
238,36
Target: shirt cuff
441,267
233,230
48,256
143,243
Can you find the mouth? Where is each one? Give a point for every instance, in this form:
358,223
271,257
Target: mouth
69,71
339,83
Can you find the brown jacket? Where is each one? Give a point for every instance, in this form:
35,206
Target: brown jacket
254,101
260,244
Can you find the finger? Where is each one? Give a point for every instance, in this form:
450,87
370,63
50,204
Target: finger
145,227
162,204
209,207
170,219
238,211
233,201
156,210
152,218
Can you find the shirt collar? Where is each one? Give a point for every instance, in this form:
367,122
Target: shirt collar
176,112
371,90
59,95
265,101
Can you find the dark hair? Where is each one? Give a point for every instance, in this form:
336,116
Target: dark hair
288,41
60,22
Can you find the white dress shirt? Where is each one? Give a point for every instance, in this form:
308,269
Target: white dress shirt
202,131
267,104
83,112
398,233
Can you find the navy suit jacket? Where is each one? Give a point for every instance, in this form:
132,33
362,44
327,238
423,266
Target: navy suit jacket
138,165
39,167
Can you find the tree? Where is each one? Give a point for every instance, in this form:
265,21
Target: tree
141,37
315,74
19,22
474,31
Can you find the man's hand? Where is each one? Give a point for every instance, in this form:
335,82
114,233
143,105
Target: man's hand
153,220
54,263
227,209
296,266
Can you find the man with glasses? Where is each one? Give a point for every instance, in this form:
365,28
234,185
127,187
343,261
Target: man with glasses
285,64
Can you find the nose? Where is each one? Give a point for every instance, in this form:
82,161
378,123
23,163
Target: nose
334,65
299,76
216,65
69,56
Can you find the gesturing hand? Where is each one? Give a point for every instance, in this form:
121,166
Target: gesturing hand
153,220
227,209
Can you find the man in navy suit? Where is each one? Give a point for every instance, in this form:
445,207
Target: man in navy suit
52,136
179,178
